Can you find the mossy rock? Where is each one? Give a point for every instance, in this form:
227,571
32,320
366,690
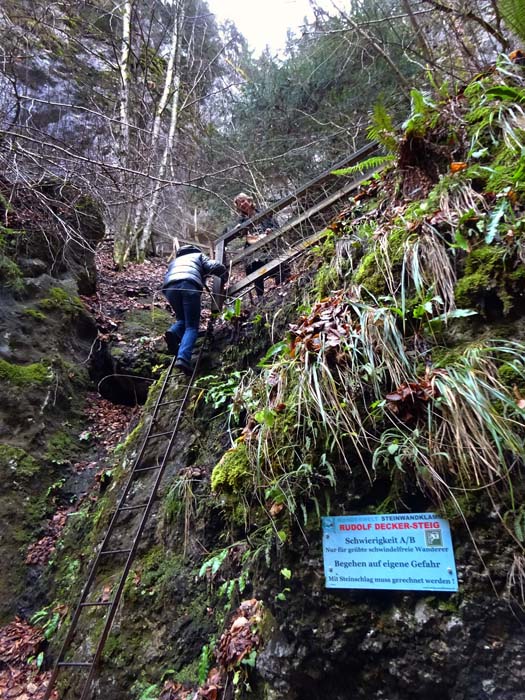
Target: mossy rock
511,376
35,314
231,474
326,280
60,448
23,508
59,299
18,462
371,271
140,323
24,375
154,570
10,275
490,273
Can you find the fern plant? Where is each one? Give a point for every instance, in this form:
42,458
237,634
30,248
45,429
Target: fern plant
383,131
373,163
513,12
382,128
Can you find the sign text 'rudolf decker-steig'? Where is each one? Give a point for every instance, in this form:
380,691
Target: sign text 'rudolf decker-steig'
411,551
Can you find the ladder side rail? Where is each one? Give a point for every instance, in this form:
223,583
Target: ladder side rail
138,533
217,295
93,570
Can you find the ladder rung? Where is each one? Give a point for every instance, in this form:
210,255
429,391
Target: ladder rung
170,403
95,604
145,469
85,664
115,551
140,505
156,435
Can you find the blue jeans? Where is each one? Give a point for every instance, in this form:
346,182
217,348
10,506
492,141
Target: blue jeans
185,300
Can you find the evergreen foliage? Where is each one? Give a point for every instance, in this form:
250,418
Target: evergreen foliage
513,12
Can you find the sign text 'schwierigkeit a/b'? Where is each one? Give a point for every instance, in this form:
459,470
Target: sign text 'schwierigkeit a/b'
410,551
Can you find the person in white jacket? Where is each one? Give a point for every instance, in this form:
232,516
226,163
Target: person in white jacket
183,285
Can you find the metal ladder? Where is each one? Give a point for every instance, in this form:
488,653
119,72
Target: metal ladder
128,554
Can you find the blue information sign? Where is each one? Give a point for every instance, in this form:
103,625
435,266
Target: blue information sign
406,552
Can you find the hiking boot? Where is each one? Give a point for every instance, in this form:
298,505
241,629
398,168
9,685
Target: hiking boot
172,341
184,366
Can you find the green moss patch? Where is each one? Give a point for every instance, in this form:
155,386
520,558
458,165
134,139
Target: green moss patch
34,313
488,270
18,462
60,448
229,475
371,272
23,507
145,323
60,300
24,375
10,275
511,376
152,572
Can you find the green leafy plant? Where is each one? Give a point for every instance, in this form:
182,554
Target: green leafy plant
220,390
233,586
272,353
373,163
151,692
287,575
232,313
55,487
204,663
214,563
423,114
382,127
233,393
48,619
230,588
513,13
37,660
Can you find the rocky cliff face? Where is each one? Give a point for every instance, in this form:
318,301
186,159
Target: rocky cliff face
46,337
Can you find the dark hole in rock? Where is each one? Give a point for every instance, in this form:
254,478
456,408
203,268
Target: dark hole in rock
492,306
118,387
128,391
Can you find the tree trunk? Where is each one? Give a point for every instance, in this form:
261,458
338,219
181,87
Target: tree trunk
123,136
146,208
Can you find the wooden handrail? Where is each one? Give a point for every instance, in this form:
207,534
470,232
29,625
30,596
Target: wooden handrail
273,265
286,201
289,225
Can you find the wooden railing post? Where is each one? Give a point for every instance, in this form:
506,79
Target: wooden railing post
218,296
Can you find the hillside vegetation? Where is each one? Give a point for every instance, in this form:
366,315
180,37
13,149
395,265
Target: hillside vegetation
387,375
399,386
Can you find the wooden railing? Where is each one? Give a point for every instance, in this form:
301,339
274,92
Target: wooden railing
326,199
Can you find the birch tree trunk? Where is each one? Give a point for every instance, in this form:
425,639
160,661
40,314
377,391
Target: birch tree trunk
124,79
145,235
147,208
123,132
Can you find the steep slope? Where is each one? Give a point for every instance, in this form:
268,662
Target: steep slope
388,377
